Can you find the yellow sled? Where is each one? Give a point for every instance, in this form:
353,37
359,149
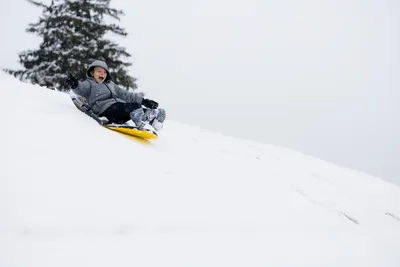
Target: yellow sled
133,131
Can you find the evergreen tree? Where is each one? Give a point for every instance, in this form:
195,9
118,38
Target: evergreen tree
73,35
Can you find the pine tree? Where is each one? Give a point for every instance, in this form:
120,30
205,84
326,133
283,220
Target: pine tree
73,35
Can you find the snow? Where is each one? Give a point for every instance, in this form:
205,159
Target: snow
75,194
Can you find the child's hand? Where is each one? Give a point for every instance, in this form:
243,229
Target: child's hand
150,103
71,81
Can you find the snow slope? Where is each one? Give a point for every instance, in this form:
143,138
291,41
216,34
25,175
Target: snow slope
75,194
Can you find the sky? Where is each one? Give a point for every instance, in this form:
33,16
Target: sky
320,77
73,193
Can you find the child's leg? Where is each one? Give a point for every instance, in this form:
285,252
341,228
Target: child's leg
120,112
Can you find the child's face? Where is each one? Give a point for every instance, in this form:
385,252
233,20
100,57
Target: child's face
99,74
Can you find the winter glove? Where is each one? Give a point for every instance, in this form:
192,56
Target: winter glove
150,103
71,81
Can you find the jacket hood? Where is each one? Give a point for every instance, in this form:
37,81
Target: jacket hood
98,63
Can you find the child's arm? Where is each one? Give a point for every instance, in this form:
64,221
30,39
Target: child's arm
80,88
129,96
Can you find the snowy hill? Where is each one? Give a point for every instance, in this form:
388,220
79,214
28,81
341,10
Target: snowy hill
75,194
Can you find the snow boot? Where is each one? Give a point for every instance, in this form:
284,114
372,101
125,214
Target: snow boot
158,120
161,114
137,117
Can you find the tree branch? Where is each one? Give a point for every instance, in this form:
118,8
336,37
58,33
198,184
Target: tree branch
38,4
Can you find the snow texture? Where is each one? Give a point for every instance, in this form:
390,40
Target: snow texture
75,194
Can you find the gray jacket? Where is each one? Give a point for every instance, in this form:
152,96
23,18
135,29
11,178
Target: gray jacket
100,96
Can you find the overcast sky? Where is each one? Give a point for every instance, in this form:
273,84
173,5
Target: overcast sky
320,77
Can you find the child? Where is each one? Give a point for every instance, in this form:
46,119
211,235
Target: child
118,105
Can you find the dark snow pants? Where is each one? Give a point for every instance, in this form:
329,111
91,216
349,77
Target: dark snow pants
120,112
